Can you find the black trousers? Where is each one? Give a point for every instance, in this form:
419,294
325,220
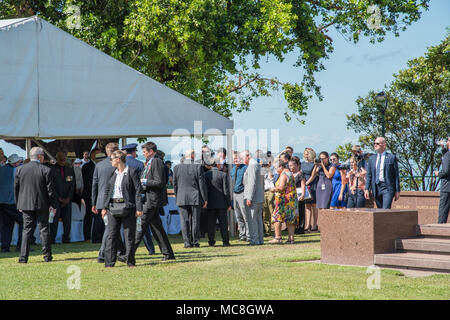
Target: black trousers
30,218
152,219
93,225
213,215
356,200
119,244
87,220
300,228
204,222
113,238
444,207
65,213
10,215
190,224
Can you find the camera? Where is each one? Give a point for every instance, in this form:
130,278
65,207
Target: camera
317,161
344,167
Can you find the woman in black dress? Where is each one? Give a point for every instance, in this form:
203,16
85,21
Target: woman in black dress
311,213
325,171
295,168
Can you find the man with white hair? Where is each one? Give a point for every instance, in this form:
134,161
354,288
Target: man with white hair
34,192
254,197
191,194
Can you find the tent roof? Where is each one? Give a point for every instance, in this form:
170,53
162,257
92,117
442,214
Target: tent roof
55,86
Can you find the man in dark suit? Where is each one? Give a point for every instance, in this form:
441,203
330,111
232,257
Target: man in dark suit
87,171
444,175
102,174
219,201
382,176
191,194
34,193
132,162
64,180
155,187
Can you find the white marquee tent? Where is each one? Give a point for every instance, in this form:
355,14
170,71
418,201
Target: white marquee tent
55,86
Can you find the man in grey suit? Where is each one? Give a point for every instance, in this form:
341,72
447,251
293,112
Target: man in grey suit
444,175
254,198
219,201
191,194
102,174
34,193
382,176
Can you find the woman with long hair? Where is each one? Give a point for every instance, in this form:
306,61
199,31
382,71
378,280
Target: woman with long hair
339,181
311,213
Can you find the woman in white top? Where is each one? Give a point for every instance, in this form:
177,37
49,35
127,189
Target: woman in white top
124,203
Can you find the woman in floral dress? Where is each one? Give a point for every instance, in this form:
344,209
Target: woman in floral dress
286,203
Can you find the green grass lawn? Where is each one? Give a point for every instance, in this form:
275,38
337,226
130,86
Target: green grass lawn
237,272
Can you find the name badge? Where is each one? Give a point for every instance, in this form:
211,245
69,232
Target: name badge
323,186
69,179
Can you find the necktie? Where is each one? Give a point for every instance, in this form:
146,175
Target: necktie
377,179
62,172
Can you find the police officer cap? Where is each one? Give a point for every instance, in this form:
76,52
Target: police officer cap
130,147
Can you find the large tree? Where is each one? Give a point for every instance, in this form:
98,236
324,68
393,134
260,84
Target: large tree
212,50
417,115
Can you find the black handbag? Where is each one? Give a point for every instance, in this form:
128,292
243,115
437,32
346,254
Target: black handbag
119,210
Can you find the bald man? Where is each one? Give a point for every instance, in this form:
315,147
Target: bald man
382,177
64,180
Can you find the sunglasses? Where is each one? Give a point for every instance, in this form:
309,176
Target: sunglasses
377,143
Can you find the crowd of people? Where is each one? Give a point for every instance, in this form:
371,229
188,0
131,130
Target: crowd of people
266,193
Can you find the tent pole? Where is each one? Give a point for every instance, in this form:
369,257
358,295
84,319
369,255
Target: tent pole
27,147
124,141
231,218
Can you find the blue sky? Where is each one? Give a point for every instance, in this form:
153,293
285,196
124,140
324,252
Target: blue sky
352,70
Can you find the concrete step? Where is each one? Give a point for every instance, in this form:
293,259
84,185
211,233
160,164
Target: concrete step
436,245
414,260
436,230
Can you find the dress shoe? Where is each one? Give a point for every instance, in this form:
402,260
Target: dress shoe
168,257
227,244
48,259
187,246
196,245
5,250
100,260
22,261
211,244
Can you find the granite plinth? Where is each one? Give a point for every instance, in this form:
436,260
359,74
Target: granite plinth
354,236
425,202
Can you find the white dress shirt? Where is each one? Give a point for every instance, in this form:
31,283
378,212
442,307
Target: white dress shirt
383,156
118,194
